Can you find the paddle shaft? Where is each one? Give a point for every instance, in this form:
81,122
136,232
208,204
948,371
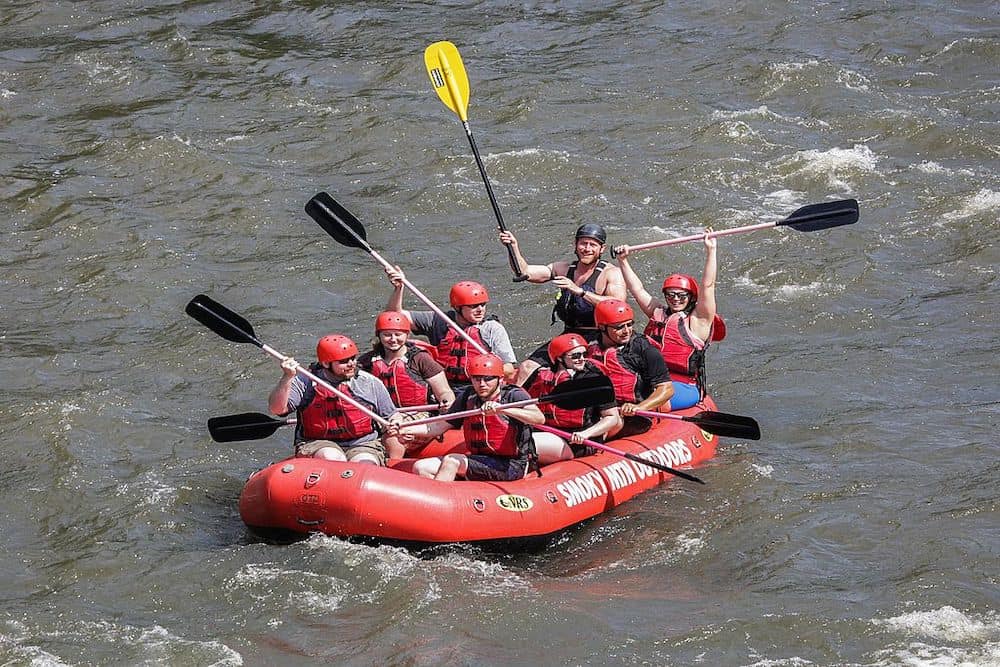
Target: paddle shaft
470,413
459,105
662,415
807,218
519,276
697,237
406,283
299,368
420,408
236,328
611,450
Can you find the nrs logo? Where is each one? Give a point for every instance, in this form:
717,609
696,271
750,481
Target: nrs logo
513,503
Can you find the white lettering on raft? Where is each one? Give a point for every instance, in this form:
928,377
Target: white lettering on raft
583,488
623,473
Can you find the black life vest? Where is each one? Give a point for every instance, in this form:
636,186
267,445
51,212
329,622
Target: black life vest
575,311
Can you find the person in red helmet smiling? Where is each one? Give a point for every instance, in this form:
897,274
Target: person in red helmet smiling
409,372
636,369
327,426
500,441
468,300
568,356
683,324
583,283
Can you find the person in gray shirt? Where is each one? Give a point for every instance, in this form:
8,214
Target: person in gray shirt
468,299
329,427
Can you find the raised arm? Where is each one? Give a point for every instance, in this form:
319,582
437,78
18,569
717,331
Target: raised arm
395,302
277,401
537,273
704,311
647,302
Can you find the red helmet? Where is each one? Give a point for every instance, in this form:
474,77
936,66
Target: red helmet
612,311
560,345
681,281
335,347
467,293
485,364
391,320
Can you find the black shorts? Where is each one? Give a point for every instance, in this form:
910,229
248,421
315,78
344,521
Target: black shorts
485,468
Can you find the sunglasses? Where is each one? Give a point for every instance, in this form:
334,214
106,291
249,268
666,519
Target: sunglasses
577,356
677,296
349,360
482,378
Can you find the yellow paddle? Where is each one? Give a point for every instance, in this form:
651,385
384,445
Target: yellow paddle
451,83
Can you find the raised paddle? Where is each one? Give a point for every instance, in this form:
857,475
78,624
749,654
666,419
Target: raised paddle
447,73
719,423
245,426
347,230
571,395
811,218
611,450
235,328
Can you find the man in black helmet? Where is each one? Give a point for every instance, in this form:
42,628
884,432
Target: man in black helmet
583,283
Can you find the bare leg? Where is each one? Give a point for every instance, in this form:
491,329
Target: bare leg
365,457
551,448
330,454
452,466
427,467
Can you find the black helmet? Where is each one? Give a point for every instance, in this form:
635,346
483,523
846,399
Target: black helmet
592,231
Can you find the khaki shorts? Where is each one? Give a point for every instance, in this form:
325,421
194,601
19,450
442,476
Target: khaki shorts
374,448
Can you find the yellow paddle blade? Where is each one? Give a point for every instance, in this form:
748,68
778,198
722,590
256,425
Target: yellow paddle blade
444,66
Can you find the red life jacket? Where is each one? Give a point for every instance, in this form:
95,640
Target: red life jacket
328,417
495,435
625,381
405,385
545,381
453,353
680,348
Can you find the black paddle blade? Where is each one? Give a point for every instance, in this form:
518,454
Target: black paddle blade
337,221
221,320
244,426
727,425
581,393
823,216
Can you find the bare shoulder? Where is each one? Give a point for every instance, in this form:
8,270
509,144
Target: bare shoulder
611,282
559,267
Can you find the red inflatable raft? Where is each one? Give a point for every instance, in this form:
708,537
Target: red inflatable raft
305,495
